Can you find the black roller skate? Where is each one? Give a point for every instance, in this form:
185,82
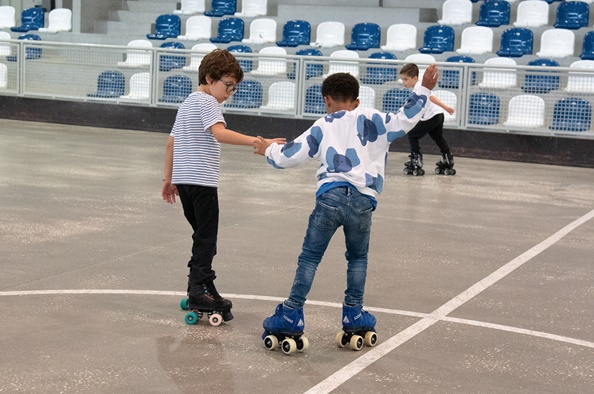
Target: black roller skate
202,299
415,165
446,165
285,327
358,328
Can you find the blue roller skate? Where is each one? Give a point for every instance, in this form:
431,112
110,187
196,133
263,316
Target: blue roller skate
285,327
358,328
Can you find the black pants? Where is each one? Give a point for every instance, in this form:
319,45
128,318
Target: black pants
434,127
201,209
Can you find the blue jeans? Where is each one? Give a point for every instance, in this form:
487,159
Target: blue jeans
341,206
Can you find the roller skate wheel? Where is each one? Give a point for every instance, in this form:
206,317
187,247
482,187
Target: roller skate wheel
416,172
184,304
356,342
447,171
302,344
407,171
453,171
215,319
191,318
370,338
340,339
438,171
289,346
270,342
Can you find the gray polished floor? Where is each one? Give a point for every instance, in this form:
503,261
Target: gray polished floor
481,282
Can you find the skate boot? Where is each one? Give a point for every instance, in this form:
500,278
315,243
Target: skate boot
446,165
415,165
285,327
204,298
358,328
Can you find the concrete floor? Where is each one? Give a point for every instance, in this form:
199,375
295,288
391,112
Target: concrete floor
481,282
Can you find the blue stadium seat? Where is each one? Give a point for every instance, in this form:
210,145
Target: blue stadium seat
222,7
110,84
314,103
394,99
311,70
176,88
438,39
229,29
588,46
30,52
31,19
540,83
552,1
295,33
248,95
365,36
483,109
450,79
169,62
166,26
246,65
572,15
378,75
516,42
572,114
494,13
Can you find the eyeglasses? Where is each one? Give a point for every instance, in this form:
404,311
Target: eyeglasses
231,88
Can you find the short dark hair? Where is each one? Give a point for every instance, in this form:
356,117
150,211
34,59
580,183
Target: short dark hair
411,70
342,87
217,64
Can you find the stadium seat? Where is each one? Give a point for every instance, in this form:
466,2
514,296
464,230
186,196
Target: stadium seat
169,62
342,65
7,17
229,29
449,99
295,33
516,42
166,26
572,114
494,13
176,88
366,97
198,27
281,97
140,87
456,12
541,83
476,40
376,74
483,109
588,46
532,14
272,65
60,19
451,79
110,84
394,99
400,37
552,1
252,8
31,53
248,95
314,102
581,82
556,43
329,34
438,39
140,57
572,15
312,70
525,111
31,19
423,60
222,7
245,64
3,76
189,7
365,36
5,49
262,31
196,58
499,78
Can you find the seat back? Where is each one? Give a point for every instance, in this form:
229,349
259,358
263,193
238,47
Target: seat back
7,16
5,49
271,65
295,32
456,12
532,14
450,99
423,60
169,62
525,111
542,82
248,95
580,82
394,99
366,97
401,37
176,88
281,96
588,46
197,27
262,31
476,40
499,78
556,43
438,39
31,19
198,53
140,87
229,29
329,34
252,8
60,19
342,65
379,75
312,70
31,52
137,58
572,15
365,36
3,76
189,7
222,7
572,114
110,84
314,102
450,79
494,13
516,42
166,26
245,64
483,109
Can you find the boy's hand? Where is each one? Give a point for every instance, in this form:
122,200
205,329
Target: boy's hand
449,110
430,77
169,191
261,144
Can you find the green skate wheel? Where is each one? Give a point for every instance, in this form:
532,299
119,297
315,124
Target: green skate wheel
356,342
271,342
191,318
289,346
184,304
302,344
370,339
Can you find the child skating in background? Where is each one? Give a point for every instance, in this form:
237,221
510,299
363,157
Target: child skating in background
192,166
431,123
352,145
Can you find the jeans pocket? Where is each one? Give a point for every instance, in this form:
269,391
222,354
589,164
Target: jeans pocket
365,219
325,215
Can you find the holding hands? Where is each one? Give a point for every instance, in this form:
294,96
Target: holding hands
261,144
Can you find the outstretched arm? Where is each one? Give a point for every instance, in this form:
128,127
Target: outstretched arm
226,136
443,105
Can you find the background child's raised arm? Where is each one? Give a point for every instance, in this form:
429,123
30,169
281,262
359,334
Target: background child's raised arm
443,105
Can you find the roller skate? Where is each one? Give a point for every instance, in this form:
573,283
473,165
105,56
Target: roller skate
203,299
358,328
285,327
446,165
415,165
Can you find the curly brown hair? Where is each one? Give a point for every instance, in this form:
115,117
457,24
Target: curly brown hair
342,87
217,64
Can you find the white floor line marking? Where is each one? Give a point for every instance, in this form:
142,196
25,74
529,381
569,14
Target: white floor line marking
342,375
